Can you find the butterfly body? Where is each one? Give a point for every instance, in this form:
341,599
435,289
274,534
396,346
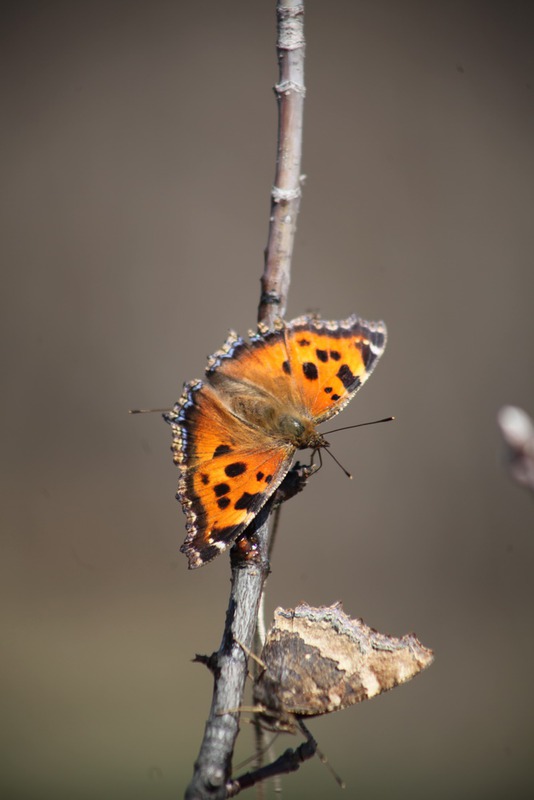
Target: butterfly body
235,434
266,414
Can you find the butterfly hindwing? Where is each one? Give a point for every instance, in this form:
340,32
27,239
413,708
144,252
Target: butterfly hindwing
261,363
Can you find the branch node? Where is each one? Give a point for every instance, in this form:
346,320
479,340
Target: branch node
270,299
280,195
286,87
215,777
211,662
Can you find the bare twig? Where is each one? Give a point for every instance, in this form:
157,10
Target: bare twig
285,196
251,567
229,666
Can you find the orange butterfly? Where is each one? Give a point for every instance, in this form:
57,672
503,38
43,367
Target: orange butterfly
235,435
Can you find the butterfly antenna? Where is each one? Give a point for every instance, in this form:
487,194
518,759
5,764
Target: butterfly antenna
347,473
149,410
359,425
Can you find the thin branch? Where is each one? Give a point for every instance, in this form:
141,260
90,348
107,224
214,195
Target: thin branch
229,666
285,195
250,561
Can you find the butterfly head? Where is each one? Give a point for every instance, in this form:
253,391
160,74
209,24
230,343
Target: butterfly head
300,432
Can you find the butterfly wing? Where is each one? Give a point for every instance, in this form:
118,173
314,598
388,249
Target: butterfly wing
260,365
228,471
331,360
319,660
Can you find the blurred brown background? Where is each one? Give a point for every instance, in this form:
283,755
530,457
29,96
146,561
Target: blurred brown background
138,145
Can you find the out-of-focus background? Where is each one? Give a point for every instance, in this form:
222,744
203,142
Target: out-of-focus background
138,145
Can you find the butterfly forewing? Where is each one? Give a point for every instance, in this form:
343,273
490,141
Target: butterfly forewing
331,360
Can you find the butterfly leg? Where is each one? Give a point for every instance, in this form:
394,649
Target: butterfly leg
313,467
289,761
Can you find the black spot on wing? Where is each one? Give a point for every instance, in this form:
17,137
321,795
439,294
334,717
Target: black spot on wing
328,389
304,342
235,469
221,450
204,478
246,501
335,355
268,478
335,397
259,476
322,355
345,376
223,502
286,367
310,371
220,489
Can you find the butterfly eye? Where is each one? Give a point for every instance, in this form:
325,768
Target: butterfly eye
291,427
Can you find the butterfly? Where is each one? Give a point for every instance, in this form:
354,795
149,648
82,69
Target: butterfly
318,660
235,434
